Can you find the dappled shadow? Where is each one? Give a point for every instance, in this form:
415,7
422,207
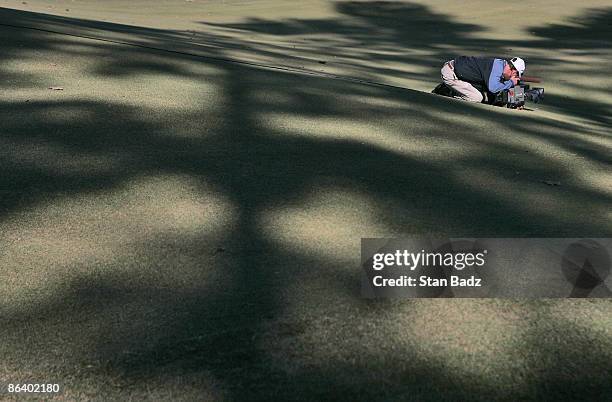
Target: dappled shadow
272,151
397,43
581,371
404,43
583,36
589,31
377,24
379,38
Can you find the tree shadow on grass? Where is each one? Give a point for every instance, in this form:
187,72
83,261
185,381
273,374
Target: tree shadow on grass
584,32
572,359
382,38
233,325
585,35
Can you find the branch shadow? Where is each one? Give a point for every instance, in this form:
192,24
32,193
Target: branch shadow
229,326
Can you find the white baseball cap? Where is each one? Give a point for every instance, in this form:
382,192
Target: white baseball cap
519,65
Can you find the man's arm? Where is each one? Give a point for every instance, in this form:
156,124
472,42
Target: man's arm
495,83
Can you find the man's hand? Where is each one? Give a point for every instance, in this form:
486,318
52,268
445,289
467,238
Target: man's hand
515,80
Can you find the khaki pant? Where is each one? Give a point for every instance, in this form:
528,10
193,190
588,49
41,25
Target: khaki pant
465,90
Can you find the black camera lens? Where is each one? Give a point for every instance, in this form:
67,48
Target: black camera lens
535,95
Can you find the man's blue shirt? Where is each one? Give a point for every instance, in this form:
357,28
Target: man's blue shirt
495,79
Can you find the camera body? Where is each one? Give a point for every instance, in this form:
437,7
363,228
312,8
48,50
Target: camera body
512,98
515,97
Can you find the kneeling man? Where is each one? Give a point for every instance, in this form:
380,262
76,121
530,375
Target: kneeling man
466,74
